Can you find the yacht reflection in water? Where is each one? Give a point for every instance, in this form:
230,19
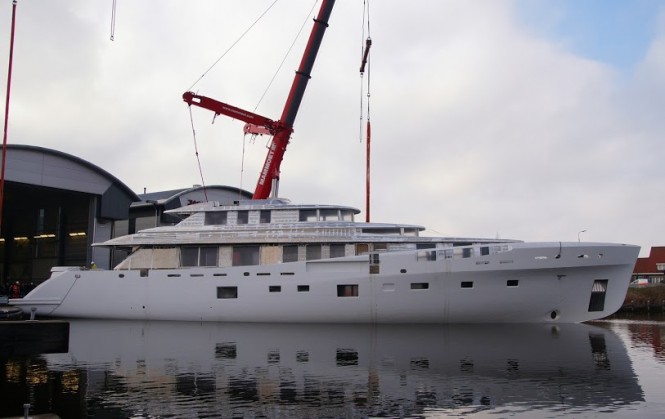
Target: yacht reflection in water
274,370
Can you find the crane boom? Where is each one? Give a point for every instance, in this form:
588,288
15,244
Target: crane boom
281,129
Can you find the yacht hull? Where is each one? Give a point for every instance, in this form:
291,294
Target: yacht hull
532,282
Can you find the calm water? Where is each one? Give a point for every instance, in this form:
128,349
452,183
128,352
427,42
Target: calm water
117,369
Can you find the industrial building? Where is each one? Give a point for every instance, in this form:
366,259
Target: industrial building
57,205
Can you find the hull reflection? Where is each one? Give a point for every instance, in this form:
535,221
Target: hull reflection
275,370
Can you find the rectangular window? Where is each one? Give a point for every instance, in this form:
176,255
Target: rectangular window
374,267
245,255
484,251
275,288
198,256
467,252
380,247
215,218
264,217
598,291
313,251
467,284
512,283
303,288
362,248
208,256
350,290
337,250
420,285
290,254
307,215
189,256
227,292
329,215
243,217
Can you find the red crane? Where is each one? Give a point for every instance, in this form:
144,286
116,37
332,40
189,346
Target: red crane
280,130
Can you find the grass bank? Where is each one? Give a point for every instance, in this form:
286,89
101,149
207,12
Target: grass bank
648,298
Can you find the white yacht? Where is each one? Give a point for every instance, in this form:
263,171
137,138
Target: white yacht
274,261
267,260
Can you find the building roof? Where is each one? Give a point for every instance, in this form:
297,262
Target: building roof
648,264
19,171
174,198
44,167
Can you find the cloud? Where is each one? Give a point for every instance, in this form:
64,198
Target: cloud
481,126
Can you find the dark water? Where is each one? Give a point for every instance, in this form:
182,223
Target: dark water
118,369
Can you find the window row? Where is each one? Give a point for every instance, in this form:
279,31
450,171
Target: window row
343,290
251,255
265,216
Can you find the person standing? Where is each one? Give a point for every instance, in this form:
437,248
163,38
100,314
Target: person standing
15,290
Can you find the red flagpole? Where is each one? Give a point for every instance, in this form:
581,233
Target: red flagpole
4,138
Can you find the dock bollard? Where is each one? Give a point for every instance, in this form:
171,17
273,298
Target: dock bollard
26,410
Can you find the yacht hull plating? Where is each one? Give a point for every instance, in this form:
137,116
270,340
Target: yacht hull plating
533,282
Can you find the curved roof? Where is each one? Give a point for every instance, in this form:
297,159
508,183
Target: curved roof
39,166
173,198
14,173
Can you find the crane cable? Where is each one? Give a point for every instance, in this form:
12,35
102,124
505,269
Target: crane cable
202,76
365,64
265,92
196,151
233,45
288,52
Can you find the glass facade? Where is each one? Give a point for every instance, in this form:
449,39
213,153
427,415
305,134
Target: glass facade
42,228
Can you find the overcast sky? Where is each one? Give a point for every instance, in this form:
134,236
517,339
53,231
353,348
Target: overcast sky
526,119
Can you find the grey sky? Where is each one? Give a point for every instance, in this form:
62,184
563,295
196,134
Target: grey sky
484,123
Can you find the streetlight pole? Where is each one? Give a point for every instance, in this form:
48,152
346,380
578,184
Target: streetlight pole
578,235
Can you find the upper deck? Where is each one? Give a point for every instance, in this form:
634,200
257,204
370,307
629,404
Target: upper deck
275,221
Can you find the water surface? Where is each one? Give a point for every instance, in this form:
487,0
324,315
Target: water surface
133,369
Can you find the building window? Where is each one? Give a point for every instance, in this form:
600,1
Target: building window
227,292
350,290
303,288
290,253
467,284
420,285
275,288
215,218
512,283
245,255
264,217
243,217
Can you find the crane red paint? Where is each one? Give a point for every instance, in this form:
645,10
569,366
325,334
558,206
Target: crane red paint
280,130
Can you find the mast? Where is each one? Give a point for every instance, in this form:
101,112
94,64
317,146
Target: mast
281,129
